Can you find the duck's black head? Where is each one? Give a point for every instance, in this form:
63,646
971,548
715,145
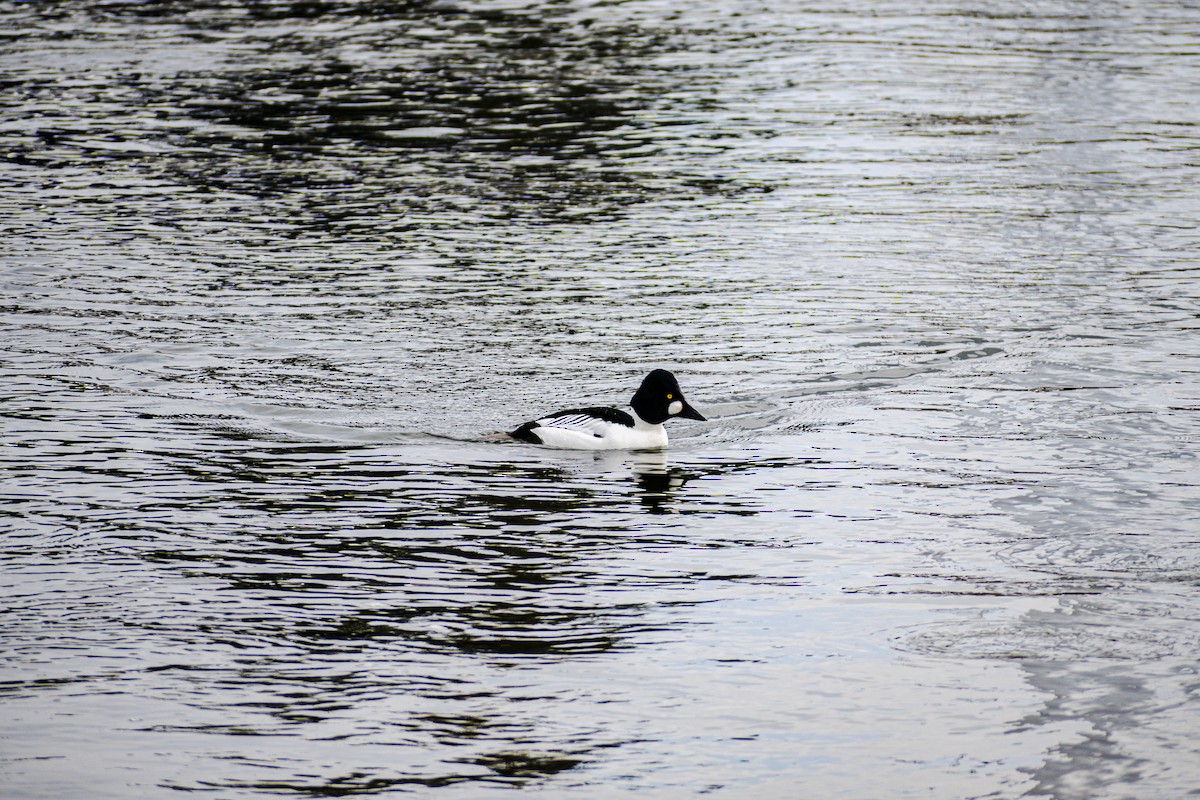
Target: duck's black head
659,398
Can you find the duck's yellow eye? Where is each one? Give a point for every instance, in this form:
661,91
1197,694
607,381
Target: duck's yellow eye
670,396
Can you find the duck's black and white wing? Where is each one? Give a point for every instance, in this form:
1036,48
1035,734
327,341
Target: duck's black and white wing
586,422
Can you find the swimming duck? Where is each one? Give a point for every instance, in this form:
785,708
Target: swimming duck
657,400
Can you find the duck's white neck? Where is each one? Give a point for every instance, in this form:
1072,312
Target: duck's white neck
641,424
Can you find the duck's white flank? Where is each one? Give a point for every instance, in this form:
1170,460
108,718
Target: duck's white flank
584,432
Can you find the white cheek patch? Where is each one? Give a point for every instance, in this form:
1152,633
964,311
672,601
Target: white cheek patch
675,408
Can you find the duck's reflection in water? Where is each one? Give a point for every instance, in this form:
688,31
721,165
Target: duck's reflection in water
655,478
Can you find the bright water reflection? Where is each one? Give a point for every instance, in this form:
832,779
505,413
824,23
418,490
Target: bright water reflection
271,273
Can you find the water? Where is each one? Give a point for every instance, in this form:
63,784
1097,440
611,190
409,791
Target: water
272,272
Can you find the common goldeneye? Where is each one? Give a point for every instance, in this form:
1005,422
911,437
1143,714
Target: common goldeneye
657,400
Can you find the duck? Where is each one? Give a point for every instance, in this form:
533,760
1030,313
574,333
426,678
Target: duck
657,400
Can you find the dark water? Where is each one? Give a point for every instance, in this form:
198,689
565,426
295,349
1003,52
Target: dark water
271,271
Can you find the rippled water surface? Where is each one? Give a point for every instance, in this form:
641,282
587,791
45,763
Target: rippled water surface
271,272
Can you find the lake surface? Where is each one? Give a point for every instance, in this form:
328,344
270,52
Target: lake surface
272,272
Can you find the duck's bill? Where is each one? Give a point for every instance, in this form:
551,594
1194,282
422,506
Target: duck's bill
690,413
